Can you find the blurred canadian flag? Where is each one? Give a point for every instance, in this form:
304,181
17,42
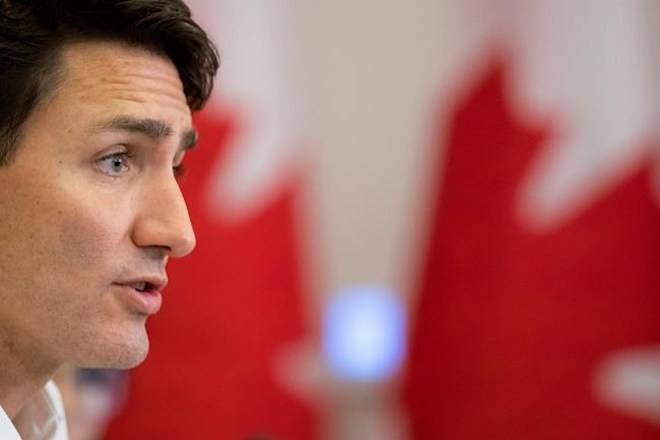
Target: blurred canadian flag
538,314
233,307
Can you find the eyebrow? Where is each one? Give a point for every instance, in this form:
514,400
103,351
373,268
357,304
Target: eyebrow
156,129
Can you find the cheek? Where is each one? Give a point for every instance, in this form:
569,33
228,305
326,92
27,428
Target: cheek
81,238
89,238
60,255
80,260
75,237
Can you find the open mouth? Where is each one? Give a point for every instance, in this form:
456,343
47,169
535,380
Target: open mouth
144,287
144,283
142,297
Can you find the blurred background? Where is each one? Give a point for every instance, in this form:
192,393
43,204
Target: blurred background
415,220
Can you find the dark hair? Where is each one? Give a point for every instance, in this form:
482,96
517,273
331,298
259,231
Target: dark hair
33,33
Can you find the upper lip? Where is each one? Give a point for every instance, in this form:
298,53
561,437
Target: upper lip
153,282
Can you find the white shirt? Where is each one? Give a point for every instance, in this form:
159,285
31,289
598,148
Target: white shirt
41,419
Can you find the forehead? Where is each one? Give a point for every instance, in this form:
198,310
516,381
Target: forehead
105,78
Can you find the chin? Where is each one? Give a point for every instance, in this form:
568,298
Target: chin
130,358
124,353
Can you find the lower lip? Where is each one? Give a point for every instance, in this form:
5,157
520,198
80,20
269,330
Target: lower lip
147,303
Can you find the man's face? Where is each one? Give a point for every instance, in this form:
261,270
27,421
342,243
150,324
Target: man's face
91,204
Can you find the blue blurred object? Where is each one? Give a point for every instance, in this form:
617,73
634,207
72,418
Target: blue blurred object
364,334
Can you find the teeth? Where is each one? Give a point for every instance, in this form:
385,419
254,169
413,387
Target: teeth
139,286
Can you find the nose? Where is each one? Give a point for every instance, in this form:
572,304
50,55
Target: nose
163,219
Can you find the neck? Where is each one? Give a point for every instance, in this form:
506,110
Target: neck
24,372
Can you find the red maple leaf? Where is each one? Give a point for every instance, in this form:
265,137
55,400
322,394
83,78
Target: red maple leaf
511,325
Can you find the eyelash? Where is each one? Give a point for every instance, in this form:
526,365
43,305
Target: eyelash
178,170
123,156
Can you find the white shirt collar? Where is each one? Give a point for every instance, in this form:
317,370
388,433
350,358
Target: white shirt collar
7,430
42,418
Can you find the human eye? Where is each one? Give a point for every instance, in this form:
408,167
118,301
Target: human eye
114,164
